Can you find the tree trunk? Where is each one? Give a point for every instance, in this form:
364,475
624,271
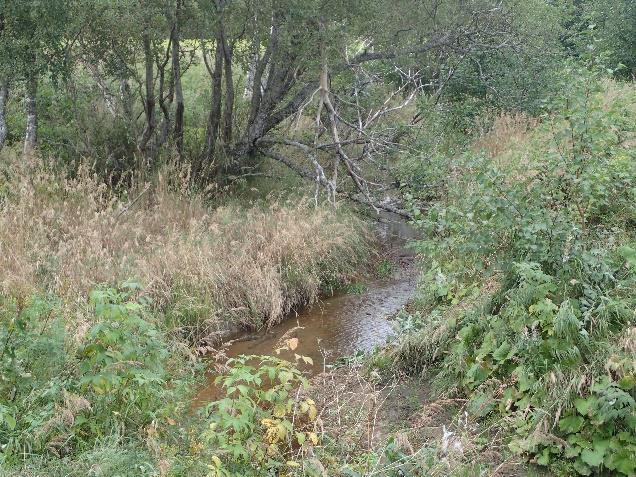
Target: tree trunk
126,98
31,136
178,89
107,95
149,103
228,114
4,96
162,138
251,73
214,118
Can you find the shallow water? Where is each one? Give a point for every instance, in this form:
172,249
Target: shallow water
340,325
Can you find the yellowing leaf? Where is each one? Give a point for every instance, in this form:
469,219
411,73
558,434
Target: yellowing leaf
282,432
312,413
272,450
313,437
271,435
292,343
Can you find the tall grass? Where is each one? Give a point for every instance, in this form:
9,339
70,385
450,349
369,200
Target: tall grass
208,268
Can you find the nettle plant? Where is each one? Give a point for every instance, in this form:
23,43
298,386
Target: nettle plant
556,228
34,372
539,360
124,357
265,423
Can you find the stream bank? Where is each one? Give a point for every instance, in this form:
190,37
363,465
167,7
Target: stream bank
342,324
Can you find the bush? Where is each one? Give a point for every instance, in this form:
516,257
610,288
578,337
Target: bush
61,400
122,362
264,423
552,224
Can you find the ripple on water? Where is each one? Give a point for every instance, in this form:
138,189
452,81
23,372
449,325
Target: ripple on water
338,326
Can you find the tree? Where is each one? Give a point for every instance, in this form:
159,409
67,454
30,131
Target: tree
4,86
32,44
4,96
371,55
613,23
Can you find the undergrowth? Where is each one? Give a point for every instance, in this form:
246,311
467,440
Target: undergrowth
60,400
208,269
105,293
527,295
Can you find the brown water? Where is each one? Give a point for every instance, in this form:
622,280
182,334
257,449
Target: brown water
340,325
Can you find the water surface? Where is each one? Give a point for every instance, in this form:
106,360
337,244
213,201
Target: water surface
340,325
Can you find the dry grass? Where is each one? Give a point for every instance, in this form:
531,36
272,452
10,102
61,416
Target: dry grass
509,144
509,131
433,438
206,268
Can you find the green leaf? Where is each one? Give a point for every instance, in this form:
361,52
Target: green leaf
581,468
525,380
503,352
621,461
601,445
544,458
481,404
593,457
629,254
571,424
583,406
10,420
572,451
627,382
477,374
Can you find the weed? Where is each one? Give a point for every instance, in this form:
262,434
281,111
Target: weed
552,224
263,422
385,269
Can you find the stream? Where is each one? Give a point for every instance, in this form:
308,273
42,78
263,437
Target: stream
342,324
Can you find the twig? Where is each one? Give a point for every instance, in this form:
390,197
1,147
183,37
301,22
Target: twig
134,201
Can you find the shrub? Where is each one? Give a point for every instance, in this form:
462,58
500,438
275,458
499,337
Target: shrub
264,421
122,361
33,376
60,399
551,221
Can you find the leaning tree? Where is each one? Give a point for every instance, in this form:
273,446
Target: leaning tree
351,67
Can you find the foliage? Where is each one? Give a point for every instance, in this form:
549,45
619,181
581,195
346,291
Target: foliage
123,358
34,373
604,34
548,232
508,80
59,400
264,421
528,287
385,269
